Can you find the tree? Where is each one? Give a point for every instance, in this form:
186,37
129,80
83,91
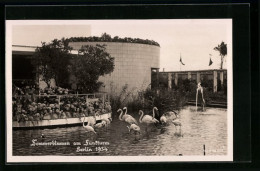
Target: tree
92,62
105,37
51,61
222,48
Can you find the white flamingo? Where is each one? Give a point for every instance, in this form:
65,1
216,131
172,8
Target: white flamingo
147,119
163,119
88,128
121,113
107,120
125,117
176,121
128,118
133,127
100,125
92,120
170,115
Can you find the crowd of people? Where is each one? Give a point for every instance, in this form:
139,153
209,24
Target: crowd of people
53,103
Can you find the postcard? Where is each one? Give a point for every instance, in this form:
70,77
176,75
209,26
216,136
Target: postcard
154,90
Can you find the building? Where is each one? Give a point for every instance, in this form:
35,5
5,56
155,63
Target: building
172,78
134,64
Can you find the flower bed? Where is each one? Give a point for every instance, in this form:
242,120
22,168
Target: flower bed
30,106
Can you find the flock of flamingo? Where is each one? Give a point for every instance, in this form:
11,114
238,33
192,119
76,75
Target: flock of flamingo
131,122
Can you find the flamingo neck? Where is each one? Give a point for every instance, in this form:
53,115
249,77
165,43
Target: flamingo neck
120,116
141,117
125,111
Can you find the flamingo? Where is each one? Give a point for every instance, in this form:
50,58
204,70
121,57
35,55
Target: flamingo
100,125
121,113
128,118
170,114
107,120
92,120
133,127
104,123
163,119
88,128
176,123
125,117
147,119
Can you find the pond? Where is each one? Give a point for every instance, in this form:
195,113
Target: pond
207,128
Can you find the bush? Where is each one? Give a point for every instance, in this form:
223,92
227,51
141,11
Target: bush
107,38
164,100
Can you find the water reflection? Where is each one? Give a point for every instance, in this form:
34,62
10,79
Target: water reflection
198,128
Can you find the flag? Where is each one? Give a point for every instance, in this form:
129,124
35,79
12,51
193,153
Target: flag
181,61
210,62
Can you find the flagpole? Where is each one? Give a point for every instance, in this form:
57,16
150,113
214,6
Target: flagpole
180,62
210,62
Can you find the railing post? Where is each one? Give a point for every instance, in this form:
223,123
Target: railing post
59,103
198,77
221,77
176,79
215,81
169,80
189,75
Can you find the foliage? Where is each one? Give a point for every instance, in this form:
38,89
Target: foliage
51,61
209,95
206,83
92,62
222,49
164,100
107,38
117,99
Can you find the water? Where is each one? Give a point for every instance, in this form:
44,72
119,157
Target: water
209,128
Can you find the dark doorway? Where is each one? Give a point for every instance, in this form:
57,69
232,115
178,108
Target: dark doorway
154,78
22,69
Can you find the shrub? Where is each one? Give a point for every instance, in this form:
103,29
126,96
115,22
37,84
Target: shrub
163,99
107,38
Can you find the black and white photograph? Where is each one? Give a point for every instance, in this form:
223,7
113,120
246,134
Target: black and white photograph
148,90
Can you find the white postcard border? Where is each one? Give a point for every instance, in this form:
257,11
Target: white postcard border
22,159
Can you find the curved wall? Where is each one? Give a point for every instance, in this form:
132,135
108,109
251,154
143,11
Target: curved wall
133,63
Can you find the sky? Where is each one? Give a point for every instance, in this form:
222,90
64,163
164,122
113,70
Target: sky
192,39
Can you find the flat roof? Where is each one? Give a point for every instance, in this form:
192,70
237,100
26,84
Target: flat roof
29,50
204,70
